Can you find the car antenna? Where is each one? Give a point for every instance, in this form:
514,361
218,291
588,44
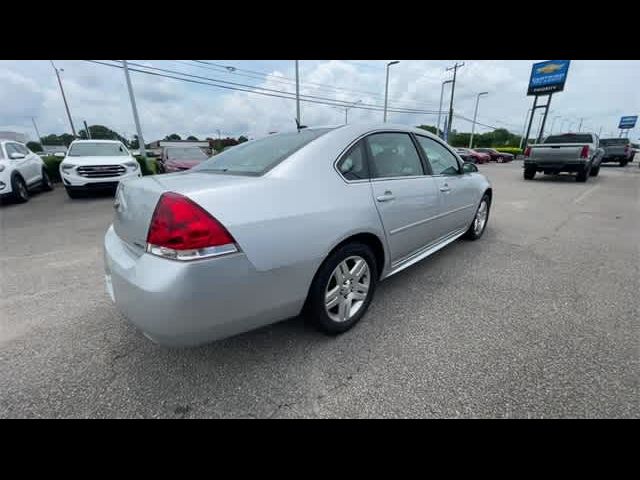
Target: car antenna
300,127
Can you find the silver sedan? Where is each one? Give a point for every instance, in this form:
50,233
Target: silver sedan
302,222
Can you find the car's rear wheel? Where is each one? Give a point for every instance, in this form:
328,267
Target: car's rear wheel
20,191
529,173
623,163
480,220
47,184
595,171
342,289
583,175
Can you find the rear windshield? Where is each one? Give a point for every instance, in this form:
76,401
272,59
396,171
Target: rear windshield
97,150
186,153
614,141
569,138
258,156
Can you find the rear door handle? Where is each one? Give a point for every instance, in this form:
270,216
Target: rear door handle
388,196
445,188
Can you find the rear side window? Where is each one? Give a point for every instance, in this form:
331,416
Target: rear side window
614,141
569,138
393,155
258,156
353,165
11,148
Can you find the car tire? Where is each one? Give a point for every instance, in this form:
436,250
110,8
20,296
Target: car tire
19,189
331,320
583,175
73,194
480,220
623,163
47,184
529,173
595,171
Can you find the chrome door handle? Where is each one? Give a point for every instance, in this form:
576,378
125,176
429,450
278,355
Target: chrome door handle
445,188
388,196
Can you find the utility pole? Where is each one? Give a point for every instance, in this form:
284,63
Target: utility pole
135,110
37,132
64,98
347,110
580,126
386,88
475,115
440,108
453,89
86,129
553,123
297,93
600,132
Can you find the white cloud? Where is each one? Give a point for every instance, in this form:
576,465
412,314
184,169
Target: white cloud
598,91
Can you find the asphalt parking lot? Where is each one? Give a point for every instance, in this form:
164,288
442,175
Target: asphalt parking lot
539,318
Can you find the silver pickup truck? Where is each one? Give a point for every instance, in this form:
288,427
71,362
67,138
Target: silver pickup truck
617,150
578,153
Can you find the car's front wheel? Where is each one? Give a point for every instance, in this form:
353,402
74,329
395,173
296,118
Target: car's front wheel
20,191
343,288
47,184
480,220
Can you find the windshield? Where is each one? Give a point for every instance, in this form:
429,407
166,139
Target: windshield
614,141
569,138
194,154
258,156
97,150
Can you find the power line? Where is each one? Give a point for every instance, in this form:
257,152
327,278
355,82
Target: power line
287,80
252,89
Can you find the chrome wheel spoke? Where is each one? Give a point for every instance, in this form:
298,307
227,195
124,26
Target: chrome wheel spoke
343,312
359,269
332,298
359,296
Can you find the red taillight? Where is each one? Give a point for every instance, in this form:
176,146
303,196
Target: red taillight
527,151
183,230
585,152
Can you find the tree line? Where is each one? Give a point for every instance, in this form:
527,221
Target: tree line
100,132
500,137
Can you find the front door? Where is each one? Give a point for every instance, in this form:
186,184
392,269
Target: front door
407,200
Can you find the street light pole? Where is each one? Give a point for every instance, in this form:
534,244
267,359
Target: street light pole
347,109
475,115
297,93
580,126
440,108
64,98
386,88
453,89
553,122
143,152
37,132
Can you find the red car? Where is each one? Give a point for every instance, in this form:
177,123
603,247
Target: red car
496,156
177,159
473,156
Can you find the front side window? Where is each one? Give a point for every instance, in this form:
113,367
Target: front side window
11,149
353,165
442,161
393,155
97,150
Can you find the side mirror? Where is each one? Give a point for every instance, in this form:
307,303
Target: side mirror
59,155
17,156
468,167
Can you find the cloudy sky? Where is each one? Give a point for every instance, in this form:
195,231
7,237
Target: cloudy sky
598,91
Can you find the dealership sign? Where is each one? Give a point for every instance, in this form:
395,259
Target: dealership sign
628,122
548,77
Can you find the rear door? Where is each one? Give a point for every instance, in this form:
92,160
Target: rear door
406,197
457,189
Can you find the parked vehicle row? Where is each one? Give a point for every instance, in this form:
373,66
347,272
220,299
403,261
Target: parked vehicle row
308,221
617,150
21,171
578,153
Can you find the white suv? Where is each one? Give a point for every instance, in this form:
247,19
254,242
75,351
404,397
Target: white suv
20,171
96,165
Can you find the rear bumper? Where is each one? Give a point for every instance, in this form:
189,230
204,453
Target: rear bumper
556,166
190,303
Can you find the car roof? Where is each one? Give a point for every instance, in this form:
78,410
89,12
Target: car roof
96,141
